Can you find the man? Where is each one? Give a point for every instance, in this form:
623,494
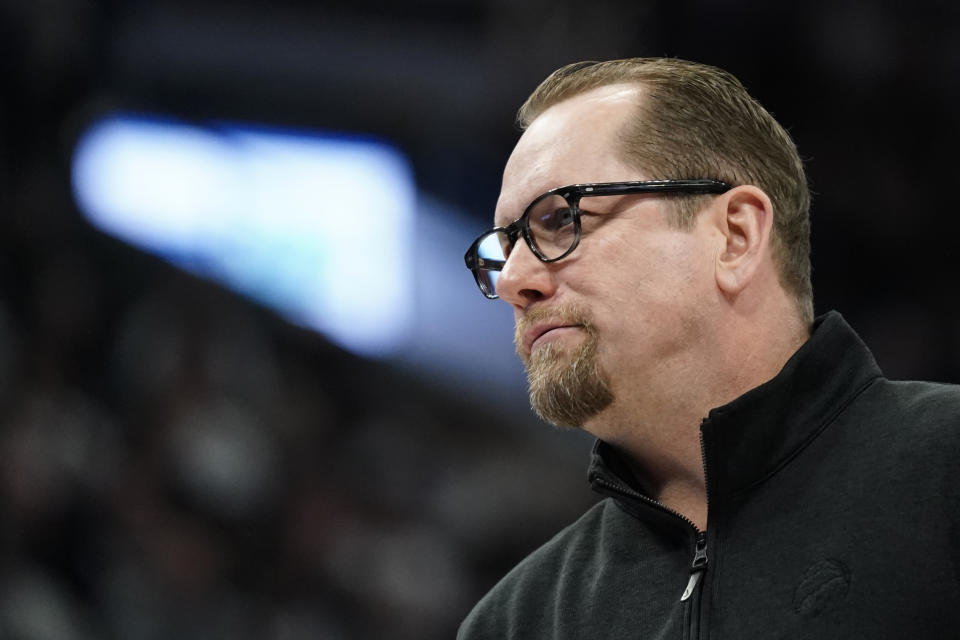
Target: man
763,479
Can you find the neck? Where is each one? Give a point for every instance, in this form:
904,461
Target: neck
659,430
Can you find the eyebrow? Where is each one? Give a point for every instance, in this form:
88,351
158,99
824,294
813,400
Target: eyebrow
523,208
499,224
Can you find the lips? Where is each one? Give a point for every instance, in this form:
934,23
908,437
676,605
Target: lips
537,331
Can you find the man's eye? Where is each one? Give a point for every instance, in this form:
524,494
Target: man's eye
555,219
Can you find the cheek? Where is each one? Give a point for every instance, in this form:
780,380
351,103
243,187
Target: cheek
686,266
667,266
662,289
638,278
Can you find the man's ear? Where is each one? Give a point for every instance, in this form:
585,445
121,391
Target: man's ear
744,216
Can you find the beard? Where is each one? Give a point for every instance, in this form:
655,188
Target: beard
567,384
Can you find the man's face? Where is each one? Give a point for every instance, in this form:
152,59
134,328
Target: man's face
620,317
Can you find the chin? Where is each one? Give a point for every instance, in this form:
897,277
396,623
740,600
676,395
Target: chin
568,387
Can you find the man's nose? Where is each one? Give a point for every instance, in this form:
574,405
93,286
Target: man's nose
524,278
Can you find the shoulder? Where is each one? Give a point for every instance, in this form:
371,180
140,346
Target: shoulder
923,404
911,423
520,605
930,397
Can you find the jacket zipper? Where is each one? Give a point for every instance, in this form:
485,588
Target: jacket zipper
628,491
700,561
699,566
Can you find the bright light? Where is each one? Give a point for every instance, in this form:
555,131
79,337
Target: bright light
317,227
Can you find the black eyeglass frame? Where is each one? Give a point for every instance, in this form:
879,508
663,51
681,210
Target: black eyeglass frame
572,195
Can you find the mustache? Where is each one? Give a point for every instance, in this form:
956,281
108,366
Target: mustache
564,314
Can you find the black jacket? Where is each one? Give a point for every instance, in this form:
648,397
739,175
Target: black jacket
834,512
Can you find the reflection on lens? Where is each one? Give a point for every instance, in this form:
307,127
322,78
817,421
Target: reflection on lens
490,280
552,225
491,248
491,256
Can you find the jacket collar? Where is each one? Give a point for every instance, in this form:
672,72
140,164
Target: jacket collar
749,439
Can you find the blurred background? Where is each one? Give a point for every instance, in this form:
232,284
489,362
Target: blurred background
248,389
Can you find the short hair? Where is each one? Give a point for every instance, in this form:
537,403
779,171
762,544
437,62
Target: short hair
698,121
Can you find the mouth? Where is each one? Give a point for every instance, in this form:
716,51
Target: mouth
540,333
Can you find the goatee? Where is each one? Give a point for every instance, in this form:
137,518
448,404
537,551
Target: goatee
567,384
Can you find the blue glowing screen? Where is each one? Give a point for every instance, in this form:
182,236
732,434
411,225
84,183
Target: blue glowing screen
318,227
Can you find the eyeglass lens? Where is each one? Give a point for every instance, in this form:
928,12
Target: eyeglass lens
551,226
552,230
491,255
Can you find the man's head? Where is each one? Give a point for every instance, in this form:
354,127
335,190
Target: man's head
698,121
636,307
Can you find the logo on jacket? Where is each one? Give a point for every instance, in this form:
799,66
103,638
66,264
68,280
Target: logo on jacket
823,586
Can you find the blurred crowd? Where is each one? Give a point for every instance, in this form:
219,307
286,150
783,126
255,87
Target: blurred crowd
176,462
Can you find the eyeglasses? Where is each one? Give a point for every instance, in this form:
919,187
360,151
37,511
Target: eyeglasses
550,225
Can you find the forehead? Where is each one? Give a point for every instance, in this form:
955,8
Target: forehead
574,141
